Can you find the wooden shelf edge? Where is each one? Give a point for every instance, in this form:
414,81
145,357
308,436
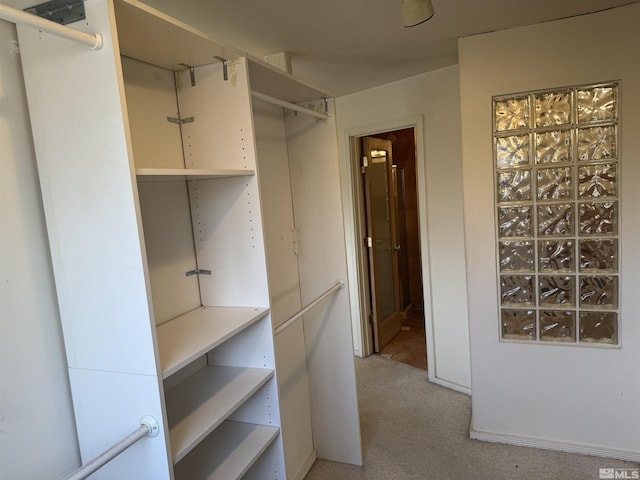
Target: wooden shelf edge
206,399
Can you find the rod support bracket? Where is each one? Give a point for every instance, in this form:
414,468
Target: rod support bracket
151,423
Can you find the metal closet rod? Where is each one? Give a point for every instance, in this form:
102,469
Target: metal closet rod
289,105
19,17
337,286
148,428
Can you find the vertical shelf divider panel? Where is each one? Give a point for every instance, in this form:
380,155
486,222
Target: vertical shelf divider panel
92,113
76,106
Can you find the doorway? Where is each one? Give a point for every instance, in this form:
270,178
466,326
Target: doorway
391,263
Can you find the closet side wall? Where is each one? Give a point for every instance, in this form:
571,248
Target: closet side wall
315,180
284,287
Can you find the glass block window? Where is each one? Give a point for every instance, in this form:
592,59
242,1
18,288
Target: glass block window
556,160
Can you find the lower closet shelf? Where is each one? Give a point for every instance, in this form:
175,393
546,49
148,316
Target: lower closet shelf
203,401
228,453
185,338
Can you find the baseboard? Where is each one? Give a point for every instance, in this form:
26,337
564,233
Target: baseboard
450,385
306,466
545,444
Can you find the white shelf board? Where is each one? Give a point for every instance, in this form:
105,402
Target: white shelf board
187,337
175,174
153,37
203,401
277,83
228,453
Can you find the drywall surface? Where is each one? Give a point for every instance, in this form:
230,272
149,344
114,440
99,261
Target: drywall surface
434,97
566,397
37,430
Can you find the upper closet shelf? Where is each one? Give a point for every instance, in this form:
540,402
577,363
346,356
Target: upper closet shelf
153,37
187,337
171,174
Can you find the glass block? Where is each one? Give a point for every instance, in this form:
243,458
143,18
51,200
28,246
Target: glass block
599,327
511,113
597,143
599,291
518,324
553,147
516,256
599,255
597,104
597,181
516,289
514,185
554,183
553,108
555,219
557,326
556,255
557,290
514,221
598,218
512,151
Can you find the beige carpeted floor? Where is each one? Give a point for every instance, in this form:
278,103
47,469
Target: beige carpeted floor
414,430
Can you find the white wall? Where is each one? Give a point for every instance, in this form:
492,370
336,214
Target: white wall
37,430
435,97
578,399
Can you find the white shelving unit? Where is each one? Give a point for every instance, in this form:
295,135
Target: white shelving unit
146,156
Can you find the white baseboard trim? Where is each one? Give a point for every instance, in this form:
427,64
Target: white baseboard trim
545,444
306,466
450,385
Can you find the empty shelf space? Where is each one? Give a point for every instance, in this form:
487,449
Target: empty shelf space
187,337
203,401
175,174
228,453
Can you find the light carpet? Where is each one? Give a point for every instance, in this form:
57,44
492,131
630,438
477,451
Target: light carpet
412,429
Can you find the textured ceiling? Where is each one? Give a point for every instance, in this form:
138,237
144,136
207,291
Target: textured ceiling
344,46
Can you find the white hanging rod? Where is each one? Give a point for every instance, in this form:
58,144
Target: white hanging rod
289,105
148,428
338,285
28,19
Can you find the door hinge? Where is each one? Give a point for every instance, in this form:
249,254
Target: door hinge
297,242
365,163
369,242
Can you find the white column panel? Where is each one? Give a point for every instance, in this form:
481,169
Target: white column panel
89,196
315,179
284,286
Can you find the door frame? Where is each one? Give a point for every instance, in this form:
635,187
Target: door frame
352,199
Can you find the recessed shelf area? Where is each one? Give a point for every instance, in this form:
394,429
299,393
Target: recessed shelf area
203,401
179,174
228,453
189,336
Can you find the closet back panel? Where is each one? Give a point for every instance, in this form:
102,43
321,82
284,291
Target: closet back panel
221,133
238,270
151,98
169,243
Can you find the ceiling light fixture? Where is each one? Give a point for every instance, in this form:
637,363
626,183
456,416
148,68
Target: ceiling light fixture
415,12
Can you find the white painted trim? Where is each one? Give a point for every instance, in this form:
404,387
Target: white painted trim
546,444
450,385
359,324
306,466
